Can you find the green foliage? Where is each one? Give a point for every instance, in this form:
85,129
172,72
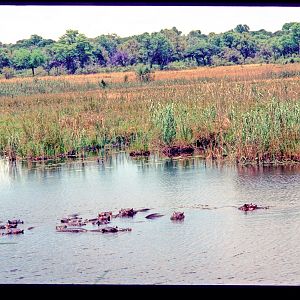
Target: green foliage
74,53
163,118
5,60
143,73
8,72
26,59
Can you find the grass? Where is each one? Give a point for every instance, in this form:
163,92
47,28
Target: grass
241,113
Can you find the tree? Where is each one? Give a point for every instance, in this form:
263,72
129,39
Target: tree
247,46
120,58
230,39
26,59
241,28
133,49
178,42
202,52
232,55
265,52
109,42
157,49
4,58
72,50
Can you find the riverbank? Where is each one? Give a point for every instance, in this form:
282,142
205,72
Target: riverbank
237,113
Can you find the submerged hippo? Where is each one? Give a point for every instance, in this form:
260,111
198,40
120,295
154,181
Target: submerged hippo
14,231
73,220
178,216
127,212
142,209
250,207
153,216
15,222
12,225
109,229
105,216
64,228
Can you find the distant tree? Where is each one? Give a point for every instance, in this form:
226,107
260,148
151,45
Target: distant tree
157,49
26,59
178,42
4,58
35,41
265,52
133,48
120,58
202,52
247,46
242,28
72,50
230,39
109,42
232,55
287,26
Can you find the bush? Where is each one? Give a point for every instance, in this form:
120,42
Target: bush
144,73
168,124
8,72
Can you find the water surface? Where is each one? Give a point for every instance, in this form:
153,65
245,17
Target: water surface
215,244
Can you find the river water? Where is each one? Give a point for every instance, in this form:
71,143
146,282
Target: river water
215,244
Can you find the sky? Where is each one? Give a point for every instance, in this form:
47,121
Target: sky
20,22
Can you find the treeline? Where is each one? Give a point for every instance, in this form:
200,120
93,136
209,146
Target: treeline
74,53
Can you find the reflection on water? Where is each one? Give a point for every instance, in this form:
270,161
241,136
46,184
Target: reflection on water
215,244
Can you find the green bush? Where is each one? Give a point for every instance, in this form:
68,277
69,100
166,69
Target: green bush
144,73
8,72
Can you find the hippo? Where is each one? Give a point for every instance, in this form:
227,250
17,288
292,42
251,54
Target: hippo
105,216
178,216
76,223
15,222
15,231
64,228
142,209
73,220
109,229
12,225
250,207
127,212
153,216
100,222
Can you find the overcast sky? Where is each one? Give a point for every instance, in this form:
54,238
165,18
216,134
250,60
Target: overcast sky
19,22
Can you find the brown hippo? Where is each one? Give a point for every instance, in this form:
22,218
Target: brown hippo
12,225
178,216
105,216
250,207
127,212
109,229
100,222
15,231
15,222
